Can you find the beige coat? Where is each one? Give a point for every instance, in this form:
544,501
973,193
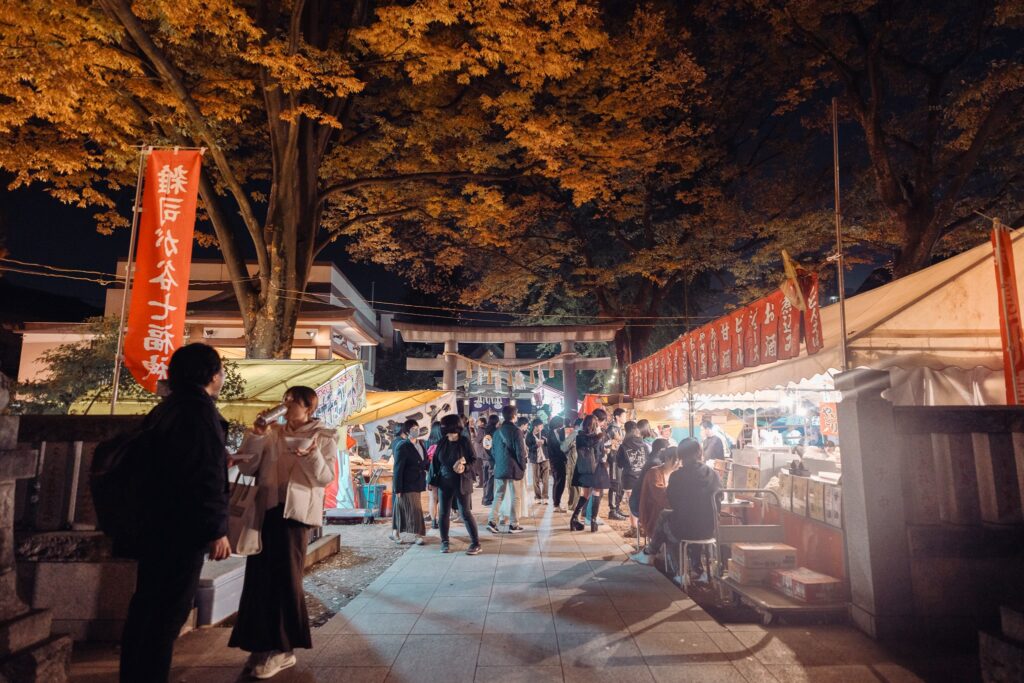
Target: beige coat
304,491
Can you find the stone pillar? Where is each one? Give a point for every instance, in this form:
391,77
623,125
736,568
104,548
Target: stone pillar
569,379
28,653
874,519
451,367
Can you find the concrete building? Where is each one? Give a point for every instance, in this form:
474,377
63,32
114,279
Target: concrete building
337,322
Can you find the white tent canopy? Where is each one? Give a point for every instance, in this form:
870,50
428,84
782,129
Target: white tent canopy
936,331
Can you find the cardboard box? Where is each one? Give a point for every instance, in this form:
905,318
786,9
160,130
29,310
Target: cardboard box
807,586
834,505
816,500
800,495
764,555
785,490
746,576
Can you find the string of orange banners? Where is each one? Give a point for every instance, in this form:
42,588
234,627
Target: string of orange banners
767,330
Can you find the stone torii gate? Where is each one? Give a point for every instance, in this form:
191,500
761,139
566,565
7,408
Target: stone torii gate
566,335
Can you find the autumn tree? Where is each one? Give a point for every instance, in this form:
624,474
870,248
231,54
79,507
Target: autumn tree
928,113
609,211
317,116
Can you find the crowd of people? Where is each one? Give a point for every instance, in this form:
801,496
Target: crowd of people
661,486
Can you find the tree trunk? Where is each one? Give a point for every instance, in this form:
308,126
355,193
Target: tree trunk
920,235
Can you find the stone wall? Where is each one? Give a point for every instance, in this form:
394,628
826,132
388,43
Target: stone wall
64,565
932,500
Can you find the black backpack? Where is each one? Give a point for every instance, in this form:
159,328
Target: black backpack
117,479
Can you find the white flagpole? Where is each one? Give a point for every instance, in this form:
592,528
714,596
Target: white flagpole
136,210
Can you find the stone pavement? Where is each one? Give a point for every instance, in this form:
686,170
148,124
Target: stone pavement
545,605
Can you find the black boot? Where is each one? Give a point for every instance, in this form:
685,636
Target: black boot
575,524
594,509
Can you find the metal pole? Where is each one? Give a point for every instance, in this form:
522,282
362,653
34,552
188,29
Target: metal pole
841,281
136,210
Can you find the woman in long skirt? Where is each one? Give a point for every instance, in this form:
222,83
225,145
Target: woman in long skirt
410,480
293,463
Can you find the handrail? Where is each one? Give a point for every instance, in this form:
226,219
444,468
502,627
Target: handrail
778,501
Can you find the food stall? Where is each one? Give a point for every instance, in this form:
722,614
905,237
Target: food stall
937,334
366,462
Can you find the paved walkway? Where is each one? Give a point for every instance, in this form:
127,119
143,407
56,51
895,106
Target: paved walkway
545,605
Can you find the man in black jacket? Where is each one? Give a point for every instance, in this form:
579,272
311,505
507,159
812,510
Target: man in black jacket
694,501
187,475
508,450
557,458
631,457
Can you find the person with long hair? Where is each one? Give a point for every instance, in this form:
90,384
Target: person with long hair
451,470
292,462
591,473
655,492
408,483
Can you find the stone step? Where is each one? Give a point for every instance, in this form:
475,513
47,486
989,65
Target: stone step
1012,623
1002,660
24,630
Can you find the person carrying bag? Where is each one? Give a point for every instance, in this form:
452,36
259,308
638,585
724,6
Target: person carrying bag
451,472
292,463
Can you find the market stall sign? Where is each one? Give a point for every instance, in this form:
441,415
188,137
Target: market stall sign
765,331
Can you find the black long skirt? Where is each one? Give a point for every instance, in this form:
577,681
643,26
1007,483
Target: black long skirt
272,612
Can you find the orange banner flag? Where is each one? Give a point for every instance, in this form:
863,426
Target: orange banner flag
1010,326
156,318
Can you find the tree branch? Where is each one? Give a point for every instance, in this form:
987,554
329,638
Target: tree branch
172,78
429,176
334,233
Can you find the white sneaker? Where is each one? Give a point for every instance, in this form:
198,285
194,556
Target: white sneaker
642,558
274,664
255,659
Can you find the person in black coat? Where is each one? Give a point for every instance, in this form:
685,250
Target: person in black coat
188,481
488,465
451,471
558,460
409,482
591,473
654,459
693,496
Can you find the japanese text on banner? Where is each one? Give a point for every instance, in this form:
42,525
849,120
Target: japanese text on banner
156,318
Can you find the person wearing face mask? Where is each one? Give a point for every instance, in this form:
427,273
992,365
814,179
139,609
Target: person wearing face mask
292,462
451,471
408,483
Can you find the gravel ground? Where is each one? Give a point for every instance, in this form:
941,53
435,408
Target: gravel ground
365,553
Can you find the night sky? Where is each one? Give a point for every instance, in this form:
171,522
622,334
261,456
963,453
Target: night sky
40,229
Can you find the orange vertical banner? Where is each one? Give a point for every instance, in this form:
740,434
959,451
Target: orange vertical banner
156,318
1010,328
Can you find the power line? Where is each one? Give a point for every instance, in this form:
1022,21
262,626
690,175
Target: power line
106,279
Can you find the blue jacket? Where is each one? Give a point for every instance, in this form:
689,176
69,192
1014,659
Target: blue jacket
508,451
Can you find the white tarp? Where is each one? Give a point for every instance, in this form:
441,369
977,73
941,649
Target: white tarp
943,319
